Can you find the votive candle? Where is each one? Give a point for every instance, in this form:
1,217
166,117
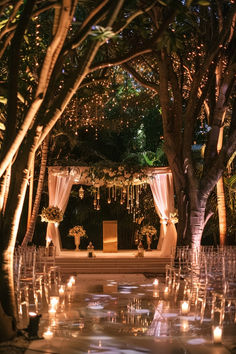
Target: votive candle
184,307
217,334
61,291
72,280
155,282
54,300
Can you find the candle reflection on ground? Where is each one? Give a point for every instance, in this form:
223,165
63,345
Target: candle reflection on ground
109,322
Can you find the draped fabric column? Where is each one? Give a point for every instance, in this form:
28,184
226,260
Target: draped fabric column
59,187
163,195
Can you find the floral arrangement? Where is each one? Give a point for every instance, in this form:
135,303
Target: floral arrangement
119,176
77,231
148,230
51,214
174,217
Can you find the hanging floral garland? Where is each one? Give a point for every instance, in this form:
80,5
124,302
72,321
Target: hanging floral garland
123,182
51,214
119,176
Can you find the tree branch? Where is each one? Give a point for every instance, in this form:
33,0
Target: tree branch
145,83
119,61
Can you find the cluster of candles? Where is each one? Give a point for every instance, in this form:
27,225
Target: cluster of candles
184,310
55,302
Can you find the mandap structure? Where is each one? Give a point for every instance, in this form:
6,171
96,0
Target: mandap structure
120,183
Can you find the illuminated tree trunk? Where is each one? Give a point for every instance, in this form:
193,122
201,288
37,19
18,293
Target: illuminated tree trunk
15,139
9,229
4,188
221,198
30,229
221,210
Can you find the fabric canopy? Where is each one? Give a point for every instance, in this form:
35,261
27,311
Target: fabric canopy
163,195
59,187
61,179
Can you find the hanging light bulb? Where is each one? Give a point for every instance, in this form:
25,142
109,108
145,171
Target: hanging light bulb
81,192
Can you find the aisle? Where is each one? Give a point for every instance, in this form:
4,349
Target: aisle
125,314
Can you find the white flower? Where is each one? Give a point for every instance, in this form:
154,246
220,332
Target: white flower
77,231
148,230
51,214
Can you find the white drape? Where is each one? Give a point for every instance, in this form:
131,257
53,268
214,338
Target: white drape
59,187
163,195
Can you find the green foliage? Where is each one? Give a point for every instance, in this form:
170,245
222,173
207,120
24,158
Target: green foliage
154,159
212,227
102,33
230,184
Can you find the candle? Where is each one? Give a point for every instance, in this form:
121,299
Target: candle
61,291
48,334
166,291
155,294
54,300
72,280
155,283
184,307
69,285
217,334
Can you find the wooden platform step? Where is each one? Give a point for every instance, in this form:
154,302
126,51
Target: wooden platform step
112,266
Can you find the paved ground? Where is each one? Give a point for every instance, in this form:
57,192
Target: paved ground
126,314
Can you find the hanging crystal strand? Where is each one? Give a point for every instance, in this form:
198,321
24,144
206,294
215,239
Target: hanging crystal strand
121,196
127,197
132,197
137,195
134,214
95,199
124,193
109,195
98,204
98,193
115,193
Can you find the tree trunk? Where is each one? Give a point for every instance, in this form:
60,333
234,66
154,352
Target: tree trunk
4,188
30,229
221,197
9,229
221,210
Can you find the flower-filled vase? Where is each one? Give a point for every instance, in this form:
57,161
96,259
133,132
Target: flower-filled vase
148,231
149,241
77,242
77,232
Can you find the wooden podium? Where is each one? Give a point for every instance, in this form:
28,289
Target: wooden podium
110,236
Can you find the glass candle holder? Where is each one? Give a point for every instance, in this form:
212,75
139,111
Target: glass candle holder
217,334
155,282
54,301
184,307
72,280
61,290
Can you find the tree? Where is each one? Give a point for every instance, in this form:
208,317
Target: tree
48,88
183,73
